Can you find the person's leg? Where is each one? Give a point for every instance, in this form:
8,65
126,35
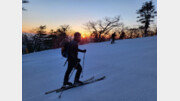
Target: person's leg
68,71
113,40
78,73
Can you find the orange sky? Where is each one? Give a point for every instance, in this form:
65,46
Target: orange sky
76,13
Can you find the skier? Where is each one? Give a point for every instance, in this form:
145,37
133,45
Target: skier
122,35
73,60
113,37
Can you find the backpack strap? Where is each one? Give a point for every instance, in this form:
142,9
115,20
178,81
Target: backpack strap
65,62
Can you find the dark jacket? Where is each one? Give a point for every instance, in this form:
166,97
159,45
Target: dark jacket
73,51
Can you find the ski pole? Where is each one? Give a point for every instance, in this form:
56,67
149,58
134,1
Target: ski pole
60,94
83,65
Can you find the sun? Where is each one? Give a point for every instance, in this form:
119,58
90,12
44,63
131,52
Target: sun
83,36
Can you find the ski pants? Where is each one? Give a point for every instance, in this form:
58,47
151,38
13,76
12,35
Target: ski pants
112,41
71,65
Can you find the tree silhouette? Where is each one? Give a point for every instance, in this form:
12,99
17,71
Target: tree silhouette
52,32
24,1
122,35
37,38
41,29
103,26
146,14
61,34
63,29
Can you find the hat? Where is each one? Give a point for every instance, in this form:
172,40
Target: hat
77,34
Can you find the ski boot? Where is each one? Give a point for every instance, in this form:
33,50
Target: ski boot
76,83
67,84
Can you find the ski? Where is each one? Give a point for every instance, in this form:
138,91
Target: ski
55,90
84,83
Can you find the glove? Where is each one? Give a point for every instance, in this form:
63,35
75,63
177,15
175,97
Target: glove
78,60
84,50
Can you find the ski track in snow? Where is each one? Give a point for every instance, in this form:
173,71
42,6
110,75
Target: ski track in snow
130,67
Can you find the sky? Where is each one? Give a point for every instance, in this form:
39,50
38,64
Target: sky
76,13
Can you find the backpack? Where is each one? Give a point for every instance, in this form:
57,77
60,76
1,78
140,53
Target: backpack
65,48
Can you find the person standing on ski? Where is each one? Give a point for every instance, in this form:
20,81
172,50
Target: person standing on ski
113,37
73,60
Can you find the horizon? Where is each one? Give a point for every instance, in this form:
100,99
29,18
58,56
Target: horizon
77,13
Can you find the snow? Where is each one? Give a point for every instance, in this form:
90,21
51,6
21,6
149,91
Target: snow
130,67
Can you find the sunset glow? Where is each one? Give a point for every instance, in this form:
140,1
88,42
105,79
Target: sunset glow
83,36
76,13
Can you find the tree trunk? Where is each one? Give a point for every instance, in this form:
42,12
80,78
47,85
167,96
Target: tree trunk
145,32
100,37
146,28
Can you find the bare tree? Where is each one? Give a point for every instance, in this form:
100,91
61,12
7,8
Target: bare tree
24,2
63,29
134,32
41,29
103,26
146,14
37,38
52,32
61,34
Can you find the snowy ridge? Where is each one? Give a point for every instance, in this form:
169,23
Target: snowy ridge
130,67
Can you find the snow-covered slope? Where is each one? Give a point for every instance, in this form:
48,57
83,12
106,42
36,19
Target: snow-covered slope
130,67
